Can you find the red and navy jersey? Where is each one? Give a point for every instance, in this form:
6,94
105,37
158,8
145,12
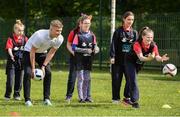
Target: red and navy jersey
84,40
15,41
72,35
141,48
121,43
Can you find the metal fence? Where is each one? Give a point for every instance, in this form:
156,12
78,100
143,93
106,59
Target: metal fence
166,28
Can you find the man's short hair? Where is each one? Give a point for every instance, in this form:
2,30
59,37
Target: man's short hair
56,23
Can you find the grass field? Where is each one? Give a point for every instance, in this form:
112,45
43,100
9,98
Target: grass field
155,91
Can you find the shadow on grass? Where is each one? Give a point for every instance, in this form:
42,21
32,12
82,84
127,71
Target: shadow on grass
11,102
62,104
94,105
157,75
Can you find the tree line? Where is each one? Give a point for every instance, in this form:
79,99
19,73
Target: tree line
62,8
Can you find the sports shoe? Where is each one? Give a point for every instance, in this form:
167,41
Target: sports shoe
68,100
115,101
17,98
127,101
6,98
47,102
135,105
89,100
28,103
68,97
81,101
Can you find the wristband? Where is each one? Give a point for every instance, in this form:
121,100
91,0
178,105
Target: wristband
44,65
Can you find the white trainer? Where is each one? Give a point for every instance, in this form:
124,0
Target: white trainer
17,98
6,98
115,101
47,102
28,103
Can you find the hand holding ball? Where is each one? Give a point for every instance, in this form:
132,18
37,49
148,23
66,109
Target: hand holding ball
38,74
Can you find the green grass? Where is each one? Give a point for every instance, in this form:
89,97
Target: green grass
155,91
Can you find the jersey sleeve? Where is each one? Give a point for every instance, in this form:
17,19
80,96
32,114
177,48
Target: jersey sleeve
95,42
75,41
113,43
70,37
9,43
136,34
137,48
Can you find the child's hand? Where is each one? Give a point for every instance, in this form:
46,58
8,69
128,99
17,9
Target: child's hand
96,50
164,58
151,56
43,69
89,51
112,61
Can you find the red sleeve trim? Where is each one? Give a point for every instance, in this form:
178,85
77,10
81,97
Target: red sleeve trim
70,36
9,43
137,48
95,42
76,41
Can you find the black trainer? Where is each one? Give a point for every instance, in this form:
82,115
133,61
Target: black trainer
89,100
135,105
81,101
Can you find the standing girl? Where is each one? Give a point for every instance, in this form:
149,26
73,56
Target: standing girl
84,46
14,70
72,66
144,49
122,40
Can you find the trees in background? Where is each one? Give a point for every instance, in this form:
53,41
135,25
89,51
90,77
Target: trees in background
54,8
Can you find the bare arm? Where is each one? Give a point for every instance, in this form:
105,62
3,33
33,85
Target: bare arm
32,57
69,47
150,57
49,56
163,58
11,54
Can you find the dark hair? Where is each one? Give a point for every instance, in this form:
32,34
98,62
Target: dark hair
143,31
77,25
84,16
126,14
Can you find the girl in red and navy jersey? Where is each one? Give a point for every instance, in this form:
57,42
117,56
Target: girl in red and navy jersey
144,49
72,70
84,46
14,47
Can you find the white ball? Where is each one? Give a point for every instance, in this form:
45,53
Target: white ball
170,70
38,74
